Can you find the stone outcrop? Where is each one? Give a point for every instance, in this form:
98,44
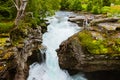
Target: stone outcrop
14,56
94,49
81,20
72,56
96,21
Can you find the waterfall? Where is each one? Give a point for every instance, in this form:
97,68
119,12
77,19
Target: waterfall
58,30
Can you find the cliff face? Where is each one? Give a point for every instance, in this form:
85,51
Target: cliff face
94,49
14,54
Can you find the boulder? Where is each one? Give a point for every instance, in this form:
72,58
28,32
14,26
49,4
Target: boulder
90,51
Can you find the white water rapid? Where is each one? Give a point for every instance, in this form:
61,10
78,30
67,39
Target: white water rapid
58,30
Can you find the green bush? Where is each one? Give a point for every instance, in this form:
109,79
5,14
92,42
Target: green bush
84,6
114,11
76,5
5,13
95,10
106,2
105,9
89,6
7,10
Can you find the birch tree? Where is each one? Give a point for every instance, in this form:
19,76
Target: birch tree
20,6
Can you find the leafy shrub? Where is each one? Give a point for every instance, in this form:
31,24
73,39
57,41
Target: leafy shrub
106,2
84,6
76,5
5,13
71,5
114,10
89,6
105,9
7,10
95,10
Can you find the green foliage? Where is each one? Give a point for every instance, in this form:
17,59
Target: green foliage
6,26
71,5
105,9
64,4
106,2
42,8
75,5
114,10
89,6
7,10
95,10
84,7
116,2
116,46
99,6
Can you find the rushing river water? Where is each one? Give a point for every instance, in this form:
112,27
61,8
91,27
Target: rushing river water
58,30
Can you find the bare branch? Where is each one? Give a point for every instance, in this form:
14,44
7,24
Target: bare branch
17,7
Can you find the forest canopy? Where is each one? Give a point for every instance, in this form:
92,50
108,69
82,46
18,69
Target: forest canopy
37,10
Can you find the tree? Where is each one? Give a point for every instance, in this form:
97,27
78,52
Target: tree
29,12
20,6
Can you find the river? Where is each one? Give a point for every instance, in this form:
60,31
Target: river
58,30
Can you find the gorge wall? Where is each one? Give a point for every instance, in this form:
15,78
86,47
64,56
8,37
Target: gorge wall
17,55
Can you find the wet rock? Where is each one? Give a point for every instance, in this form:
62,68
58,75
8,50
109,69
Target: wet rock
103,75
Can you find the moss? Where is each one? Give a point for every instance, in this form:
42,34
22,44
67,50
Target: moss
116,46
17,36
2,68
1,52
7,55
97,46
5,27
3,41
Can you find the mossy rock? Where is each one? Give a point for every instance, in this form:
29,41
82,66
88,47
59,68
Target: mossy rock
3,41
108,46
